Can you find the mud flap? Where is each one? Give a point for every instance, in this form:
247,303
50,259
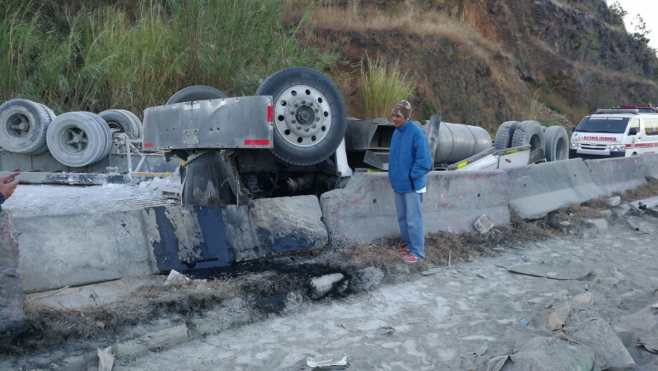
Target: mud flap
211,179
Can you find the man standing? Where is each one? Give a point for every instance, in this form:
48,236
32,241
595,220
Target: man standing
409,163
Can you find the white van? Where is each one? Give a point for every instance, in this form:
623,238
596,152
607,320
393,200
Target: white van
615,133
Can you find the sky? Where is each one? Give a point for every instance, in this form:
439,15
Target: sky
648,9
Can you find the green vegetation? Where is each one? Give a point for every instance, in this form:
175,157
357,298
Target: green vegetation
78,56
382,85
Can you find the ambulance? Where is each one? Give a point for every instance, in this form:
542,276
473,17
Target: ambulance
616,133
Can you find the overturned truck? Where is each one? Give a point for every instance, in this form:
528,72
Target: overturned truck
293,138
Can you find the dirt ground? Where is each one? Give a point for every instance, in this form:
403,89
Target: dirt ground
449,318
258,291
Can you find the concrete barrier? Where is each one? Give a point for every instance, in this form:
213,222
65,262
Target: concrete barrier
69,238
650,165
67,250
364,211
68,245
617,175
539,189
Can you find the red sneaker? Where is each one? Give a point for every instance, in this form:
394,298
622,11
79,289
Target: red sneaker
404,249
410,258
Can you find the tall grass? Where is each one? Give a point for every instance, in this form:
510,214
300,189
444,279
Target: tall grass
382,85
112,56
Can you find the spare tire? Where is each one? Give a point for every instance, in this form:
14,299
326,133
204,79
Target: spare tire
530,133
557,143
124,121
194,93
309,115
23,126
504,134
78,139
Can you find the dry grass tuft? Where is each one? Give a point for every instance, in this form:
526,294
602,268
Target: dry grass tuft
648,190
382,85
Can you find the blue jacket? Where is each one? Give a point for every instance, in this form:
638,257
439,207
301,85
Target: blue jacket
409,159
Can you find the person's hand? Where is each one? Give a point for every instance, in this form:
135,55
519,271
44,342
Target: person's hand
8,184
7,189
9,178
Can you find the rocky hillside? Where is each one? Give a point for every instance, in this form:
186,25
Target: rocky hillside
488,61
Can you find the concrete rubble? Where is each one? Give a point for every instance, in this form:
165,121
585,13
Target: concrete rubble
321,286
483,224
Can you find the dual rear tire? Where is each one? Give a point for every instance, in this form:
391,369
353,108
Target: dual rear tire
74,139
550,144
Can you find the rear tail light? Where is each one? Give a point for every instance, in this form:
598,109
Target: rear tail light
270,113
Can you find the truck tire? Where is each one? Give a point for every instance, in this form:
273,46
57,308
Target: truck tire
78,139
124,121
196,92
557,143
530,133
504,134
108,133
309,115
23,126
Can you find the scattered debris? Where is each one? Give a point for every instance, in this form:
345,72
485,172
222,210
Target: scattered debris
327,361
647,203
556,319
105,359
649,342
600,224
385,331
614,201
321,286
176,279
568,271
482,350
545,354
639,225
589,328
483,224
431,271
622,210
368,278
584,299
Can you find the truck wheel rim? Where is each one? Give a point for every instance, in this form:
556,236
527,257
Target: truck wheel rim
74,140
302,116
18,125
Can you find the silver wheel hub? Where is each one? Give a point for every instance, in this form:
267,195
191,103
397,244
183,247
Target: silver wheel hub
18,125
302,116
75,140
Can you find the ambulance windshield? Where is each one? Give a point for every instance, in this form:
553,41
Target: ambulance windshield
616,125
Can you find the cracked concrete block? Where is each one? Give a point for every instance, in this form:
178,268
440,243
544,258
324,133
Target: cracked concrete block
288,224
